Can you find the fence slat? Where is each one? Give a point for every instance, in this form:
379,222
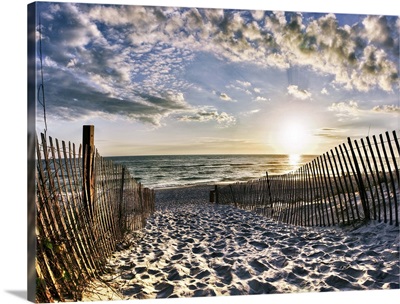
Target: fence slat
360,183
393,180
384,177
368,175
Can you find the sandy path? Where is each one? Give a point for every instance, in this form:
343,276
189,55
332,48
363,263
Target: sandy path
192,248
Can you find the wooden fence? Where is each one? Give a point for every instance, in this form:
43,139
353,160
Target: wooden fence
353,182
85,205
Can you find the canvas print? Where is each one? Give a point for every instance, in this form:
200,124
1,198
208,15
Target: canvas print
181,152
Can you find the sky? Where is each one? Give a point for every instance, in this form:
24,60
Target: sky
195,80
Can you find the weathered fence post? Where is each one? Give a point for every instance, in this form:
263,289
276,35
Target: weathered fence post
216,194
397,176
122,209
88,168
360,183
269,192
212,195
391,178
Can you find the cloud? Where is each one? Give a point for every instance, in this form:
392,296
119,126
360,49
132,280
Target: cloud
350,107
324,91
248,113
225,97
93,96
244,83
345,110
209,114
386,109
331,133
300,94
260,98
167,100
131,61
351,111
276,39
244,86
377,29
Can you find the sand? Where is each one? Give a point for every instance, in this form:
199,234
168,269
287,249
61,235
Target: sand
193,248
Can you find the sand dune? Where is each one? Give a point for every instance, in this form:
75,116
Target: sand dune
192,248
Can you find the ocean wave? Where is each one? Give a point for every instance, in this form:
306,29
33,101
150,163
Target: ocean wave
173,171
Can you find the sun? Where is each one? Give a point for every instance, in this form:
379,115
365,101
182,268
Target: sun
294,138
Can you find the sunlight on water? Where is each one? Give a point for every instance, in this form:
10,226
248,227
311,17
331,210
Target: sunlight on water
178,170
294,159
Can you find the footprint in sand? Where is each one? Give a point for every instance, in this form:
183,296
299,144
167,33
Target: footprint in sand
290,251
300,271
201,275
352,272
164,290
234,291
323,268
140,269
294,279
382,276
128,276
215,254
224,272
279,262
339,283
259,245
241,240
153,271
188,240
198,249
194,271
269,234
182,246
258,266
242,273
126,267
316,254
174,275
177,257
132,290
204,293
259,287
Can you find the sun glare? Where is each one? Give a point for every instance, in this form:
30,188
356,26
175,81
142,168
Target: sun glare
294,159
294,138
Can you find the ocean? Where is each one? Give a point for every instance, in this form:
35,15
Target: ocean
162,171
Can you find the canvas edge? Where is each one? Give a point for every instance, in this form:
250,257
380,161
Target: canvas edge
31,160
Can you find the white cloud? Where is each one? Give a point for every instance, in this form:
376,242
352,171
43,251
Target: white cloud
298,93
206,114
244,83
322,43
351,109
258,15
345,110
332,133
377,30
248,113
324,91
387,109
225,97
260,98
71,63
